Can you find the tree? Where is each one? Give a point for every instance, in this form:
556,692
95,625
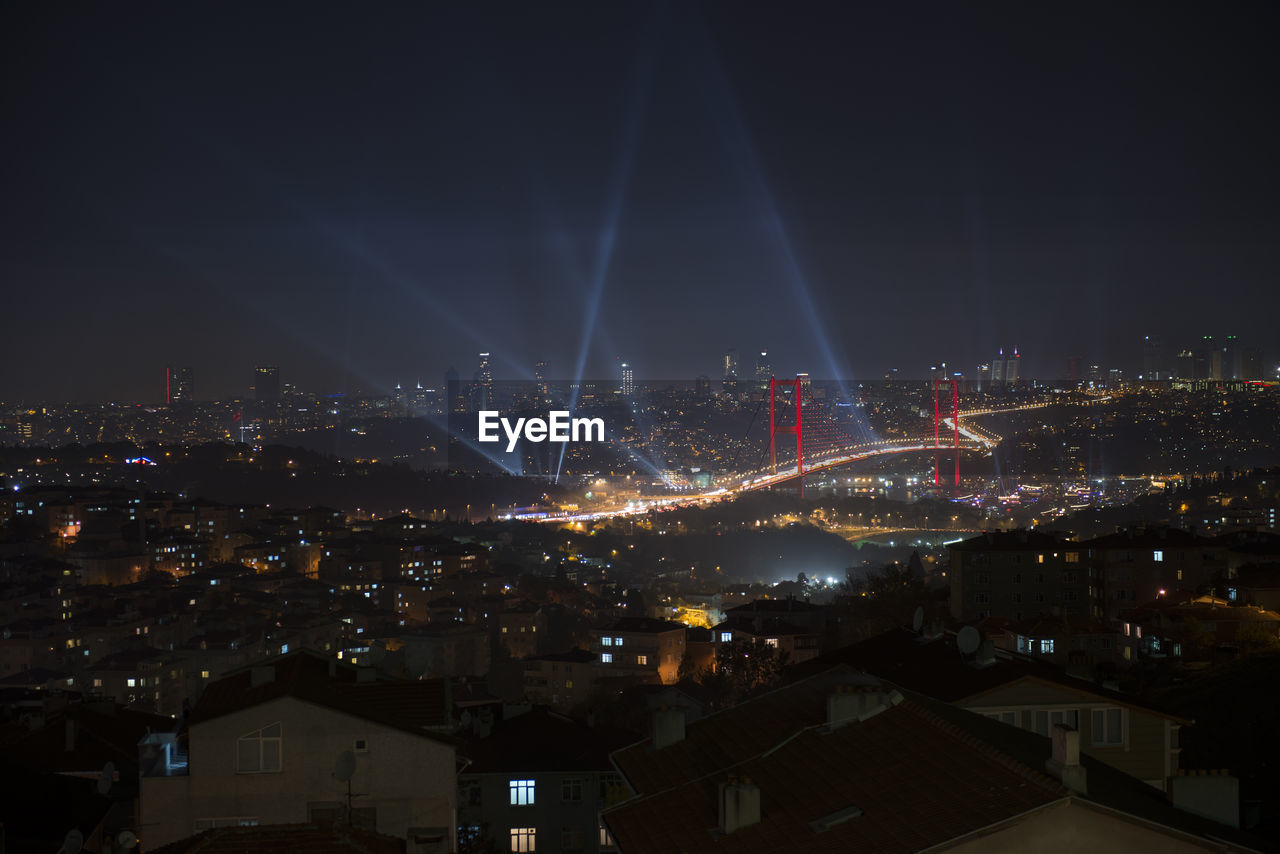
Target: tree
635,604
744,667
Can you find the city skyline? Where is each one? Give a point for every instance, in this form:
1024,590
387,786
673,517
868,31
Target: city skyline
418,185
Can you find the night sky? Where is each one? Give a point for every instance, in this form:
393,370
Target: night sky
366,193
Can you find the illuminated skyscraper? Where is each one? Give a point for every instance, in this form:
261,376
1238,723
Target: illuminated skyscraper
266,382
1231,358
177,385
1005,369
1153,358
1186,365
731,365
628,380
1012,368
764,368
484,383
540,376
997,369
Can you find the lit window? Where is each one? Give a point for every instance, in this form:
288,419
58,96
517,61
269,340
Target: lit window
726,637
642,660
606,840
132,683
204,674
1046,646
617,641
521,794
606,658
603,641
1157,556
523,839
259,751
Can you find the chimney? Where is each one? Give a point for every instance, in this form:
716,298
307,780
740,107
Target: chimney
263,674
1214,795
1064,763
668,726
739,804
986,654
851,703
72,730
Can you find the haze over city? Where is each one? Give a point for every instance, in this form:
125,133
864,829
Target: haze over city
639,427
368,199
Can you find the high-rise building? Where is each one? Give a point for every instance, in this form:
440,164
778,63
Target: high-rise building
1231,358
540,376
454,391
1186,369
628,380
483,392
177,385
1073,370
266,382
1153,358
1250,363
731,364
1005,369
764,368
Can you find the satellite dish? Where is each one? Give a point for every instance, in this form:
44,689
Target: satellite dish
377,652
106,778
968,640
345,767
415,661
917,619
127,840
73,842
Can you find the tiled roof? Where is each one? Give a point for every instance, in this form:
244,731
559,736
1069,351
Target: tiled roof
914,779
542,741
644,624
1156,538
285,839
413,706
773,606
936,669
96,737
1013,541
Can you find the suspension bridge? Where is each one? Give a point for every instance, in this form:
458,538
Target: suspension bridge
805,439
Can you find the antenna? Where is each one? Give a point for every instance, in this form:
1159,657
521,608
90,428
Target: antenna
968,640
917,619
344,769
